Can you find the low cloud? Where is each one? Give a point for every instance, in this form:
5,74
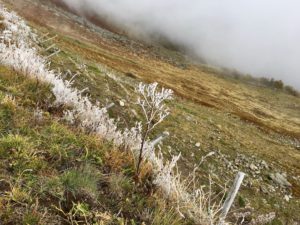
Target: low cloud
260,37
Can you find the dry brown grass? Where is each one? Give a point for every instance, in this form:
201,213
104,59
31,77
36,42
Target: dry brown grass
116,161
208,98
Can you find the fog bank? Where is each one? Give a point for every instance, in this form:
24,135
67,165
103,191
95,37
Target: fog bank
260,37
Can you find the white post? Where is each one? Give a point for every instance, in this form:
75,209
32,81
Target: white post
231,196
160,138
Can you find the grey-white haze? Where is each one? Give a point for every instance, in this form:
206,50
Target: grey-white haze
260,37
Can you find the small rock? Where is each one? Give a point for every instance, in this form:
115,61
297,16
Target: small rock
264,190
188,118
253,167
287,198
280,180
198,145
264,164
271,188
122,103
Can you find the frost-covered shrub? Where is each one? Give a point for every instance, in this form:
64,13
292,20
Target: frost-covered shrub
151,101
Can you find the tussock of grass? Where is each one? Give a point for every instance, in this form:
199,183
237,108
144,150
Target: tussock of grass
80,180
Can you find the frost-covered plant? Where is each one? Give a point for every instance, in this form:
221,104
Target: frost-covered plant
16,30
152,101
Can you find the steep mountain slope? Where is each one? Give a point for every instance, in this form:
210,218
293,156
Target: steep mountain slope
248,127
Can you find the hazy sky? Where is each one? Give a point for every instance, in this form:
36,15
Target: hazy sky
260,37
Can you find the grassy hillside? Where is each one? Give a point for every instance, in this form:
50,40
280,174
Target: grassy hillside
52,173
247,127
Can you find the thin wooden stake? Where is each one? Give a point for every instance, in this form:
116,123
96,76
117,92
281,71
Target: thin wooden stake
231,196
